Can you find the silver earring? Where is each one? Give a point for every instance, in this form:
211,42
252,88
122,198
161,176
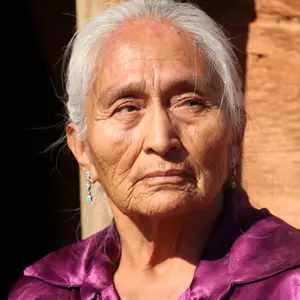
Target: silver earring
233,173
89,197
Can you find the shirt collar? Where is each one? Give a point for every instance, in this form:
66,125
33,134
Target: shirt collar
246,245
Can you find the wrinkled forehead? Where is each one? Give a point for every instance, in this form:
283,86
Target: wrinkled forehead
140,48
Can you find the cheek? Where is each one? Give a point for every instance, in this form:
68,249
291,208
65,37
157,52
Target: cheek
208,145
114,153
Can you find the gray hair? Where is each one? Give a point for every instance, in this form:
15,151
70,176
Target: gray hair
88,42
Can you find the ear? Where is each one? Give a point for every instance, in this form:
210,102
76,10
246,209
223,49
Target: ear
80,151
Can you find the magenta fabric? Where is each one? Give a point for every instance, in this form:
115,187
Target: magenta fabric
252,255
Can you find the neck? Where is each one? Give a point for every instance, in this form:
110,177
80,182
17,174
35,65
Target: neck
154,243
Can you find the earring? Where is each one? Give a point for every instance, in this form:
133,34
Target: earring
233,173
89,197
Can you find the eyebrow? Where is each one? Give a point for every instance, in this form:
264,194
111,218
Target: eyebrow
186,84
138,87
118,91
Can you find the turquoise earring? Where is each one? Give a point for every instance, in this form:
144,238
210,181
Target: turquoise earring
89,197
233,173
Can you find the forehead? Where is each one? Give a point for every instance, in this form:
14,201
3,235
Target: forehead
142,47
152,37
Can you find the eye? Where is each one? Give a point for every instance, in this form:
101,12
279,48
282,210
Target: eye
126,109
193,102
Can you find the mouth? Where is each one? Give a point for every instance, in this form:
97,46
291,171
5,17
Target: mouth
171,176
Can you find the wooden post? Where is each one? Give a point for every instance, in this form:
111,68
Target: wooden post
86,9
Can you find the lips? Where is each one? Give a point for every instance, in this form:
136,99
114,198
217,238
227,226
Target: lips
171,175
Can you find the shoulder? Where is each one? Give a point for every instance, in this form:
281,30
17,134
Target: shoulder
61,272
266,246
285,285
28,288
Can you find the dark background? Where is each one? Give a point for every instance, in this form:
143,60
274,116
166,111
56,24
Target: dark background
41,189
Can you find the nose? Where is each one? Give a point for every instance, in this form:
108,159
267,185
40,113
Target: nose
160,135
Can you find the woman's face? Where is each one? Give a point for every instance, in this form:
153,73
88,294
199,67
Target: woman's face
157,139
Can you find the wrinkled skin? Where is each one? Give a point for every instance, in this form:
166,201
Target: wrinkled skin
152,108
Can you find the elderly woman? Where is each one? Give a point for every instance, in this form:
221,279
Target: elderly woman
157,118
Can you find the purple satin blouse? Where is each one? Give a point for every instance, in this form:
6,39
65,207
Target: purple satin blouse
252,255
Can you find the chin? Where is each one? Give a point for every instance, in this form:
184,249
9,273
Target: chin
164,203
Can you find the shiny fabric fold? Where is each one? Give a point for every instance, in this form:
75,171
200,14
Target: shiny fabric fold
251,255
